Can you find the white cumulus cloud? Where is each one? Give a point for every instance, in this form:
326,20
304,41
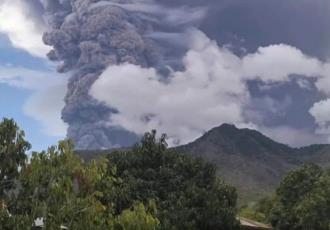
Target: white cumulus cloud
275,63
321,112
45,106
47,100
211,90
292,136
22,31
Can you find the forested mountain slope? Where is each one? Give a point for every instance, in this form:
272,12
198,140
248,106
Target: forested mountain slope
246,159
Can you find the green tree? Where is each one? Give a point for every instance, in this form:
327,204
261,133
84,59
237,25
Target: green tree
303,200
148,187
13,148
260,211
265,206
58,187
136,218
187,191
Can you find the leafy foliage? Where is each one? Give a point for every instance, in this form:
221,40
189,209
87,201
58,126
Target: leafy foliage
186,190
136,219
147,188
259,211
12,153
57,187
303,200
12,157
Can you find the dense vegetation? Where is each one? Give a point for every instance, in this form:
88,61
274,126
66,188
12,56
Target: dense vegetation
148,187
301,202
186,190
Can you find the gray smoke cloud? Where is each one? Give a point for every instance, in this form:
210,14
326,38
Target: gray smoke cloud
89,35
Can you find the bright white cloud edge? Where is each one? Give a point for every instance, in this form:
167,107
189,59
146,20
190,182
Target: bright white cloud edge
210,91
22,31
321,112
48,89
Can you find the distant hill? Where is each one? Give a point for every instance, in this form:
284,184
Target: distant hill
247,159
252,162
318,154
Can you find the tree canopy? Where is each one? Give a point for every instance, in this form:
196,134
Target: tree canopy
13,147
145,188
303,200
187,191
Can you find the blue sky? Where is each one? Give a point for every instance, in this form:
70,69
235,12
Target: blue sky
13,98
11,104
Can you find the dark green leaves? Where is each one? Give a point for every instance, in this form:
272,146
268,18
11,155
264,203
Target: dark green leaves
303,200
186,190
13,149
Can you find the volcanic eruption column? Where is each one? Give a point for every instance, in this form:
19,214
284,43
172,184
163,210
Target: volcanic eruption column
89,35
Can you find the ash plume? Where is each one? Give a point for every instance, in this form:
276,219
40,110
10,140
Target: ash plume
87,36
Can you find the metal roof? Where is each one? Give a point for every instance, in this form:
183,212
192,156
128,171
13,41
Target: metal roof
253,224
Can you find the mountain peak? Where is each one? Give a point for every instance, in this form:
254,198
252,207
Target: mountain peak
227,126
250,160
245,158
228,139
231,133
